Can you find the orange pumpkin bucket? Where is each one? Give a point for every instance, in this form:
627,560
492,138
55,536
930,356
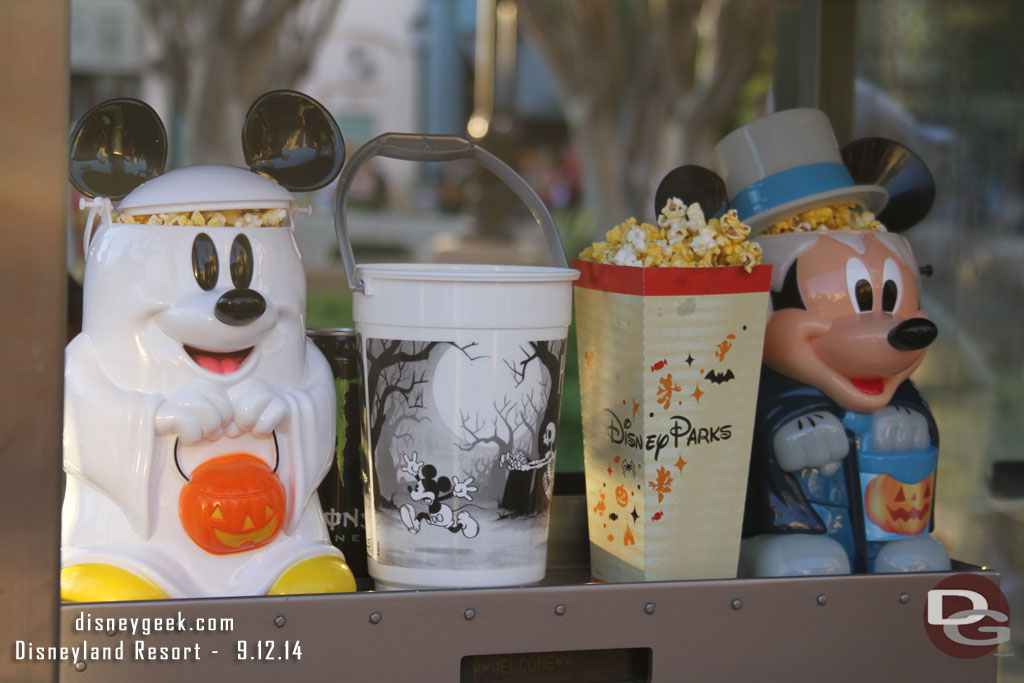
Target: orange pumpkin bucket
232,504
897,488
898,507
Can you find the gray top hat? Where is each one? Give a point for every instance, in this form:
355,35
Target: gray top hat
785,163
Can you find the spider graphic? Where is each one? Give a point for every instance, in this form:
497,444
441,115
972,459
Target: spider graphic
629,466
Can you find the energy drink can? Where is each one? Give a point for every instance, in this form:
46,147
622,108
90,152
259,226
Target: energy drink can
341,492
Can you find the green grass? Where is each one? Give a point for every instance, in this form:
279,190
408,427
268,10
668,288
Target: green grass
334,309
329,309
570,426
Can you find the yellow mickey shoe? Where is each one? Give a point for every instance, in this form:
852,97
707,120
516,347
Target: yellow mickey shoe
320,574
95,582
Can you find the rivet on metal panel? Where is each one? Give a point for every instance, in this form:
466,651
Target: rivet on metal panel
280,621
904,598
470,614
375,617
649,608
559,609
736,603
112,631
80,666
821,599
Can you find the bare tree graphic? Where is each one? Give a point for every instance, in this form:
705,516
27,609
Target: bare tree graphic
396,376
518,428
509,425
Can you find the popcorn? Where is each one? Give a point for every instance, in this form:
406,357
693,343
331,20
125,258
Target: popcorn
626,257
824,218
681,239
252,218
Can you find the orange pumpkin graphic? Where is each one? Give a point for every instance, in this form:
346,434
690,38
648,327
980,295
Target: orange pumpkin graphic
232,504
621,496
899,508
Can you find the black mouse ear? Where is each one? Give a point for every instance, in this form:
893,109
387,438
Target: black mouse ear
444,484
693,184
428,472
293,139
888,164
115,147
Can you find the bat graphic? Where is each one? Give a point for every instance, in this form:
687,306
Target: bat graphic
659,365
719,377
614,517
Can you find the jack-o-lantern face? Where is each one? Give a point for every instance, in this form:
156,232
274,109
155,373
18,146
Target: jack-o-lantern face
233,503
621,497
899,508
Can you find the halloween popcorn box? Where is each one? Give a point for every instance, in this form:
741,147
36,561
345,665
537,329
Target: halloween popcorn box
198,418
463,385
843,466
670,323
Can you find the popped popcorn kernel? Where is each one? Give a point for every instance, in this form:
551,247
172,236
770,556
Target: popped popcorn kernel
681,238
253,218
274,217
823,218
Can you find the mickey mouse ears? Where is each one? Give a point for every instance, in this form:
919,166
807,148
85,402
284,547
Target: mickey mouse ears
115,147
911,188
287,136
693,184
293,139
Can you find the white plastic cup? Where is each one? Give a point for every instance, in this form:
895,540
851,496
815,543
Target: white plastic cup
462,370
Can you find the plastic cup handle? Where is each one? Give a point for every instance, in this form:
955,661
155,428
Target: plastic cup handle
411,147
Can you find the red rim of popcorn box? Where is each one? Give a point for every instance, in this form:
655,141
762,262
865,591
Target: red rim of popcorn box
607,277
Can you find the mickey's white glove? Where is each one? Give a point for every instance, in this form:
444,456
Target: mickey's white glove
198,410
816,439
898,429
411,465
258,408
462,489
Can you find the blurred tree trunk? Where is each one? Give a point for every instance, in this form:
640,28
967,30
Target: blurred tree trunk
646,85
218,57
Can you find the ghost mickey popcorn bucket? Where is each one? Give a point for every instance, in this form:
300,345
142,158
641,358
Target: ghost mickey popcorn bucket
463,383
198,418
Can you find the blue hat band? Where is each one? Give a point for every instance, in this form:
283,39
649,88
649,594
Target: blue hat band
786,186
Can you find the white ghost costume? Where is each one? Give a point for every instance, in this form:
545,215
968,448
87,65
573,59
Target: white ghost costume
140,413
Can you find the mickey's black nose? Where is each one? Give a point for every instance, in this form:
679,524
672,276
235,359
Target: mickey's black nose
239,307
913,334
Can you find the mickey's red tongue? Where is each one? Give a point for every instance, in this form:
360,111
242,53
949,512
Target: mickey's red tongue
221,363
869,386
